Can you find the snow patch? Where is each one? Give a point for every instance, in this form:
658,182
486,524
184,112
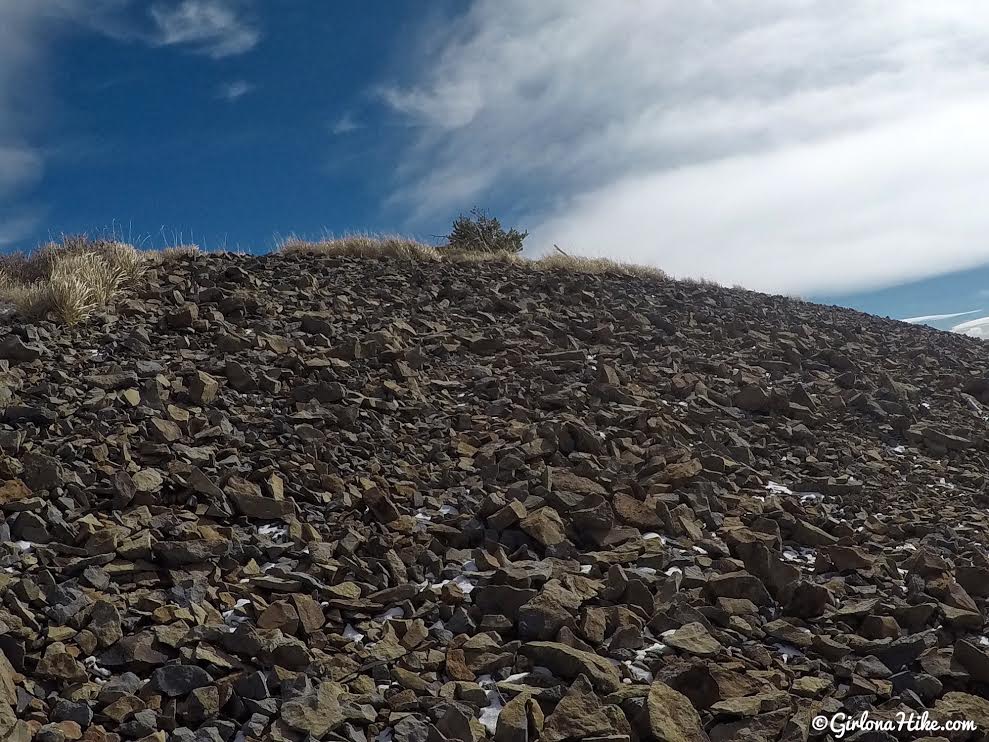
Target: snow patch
778,489
465,584
91,664
489,714
277,533
639,673
787,651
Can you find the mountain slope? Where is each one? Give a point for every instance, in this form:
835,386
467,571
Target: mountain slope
287,495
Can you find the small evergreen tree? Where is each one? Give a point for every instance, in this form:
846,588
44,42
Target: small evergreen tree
482,233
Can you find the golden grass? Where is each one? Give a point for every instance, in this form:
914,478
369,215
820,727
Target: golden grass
31,299
461,256
175,252
406,248
363,246
68,281
583,264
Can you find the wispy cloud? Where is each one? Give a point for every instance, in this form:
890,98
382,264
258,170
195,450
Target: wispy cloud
345,124
937,317
217,28
788,146
28,32
24,28
232,91
976,328
20,166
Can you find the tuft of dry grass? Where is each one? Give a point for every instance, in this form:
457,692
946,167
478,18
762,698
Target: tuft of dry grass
70,280
700,281
583,264
123,260
175,252
393,246
500,256
75,286
363,246
31,299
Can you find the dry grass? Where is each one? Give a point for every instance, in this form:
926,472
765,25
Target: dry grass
391,246
175,252
700,281
363,246
70,280
581,264
473,256
31,299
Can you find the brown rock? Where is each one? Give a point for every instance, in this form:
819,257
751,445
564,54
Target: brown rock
310,614
568,663
521,720
580,714
752,398
317,713
203,388
694,639
248,500
545,526
958,706
668,716
973,658
279,615
60,665
739,585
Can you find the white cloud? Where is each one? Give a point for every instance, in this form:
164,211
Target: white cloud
345,124
216,28
976,328
936,317
23,28
231,91
788,145
20,166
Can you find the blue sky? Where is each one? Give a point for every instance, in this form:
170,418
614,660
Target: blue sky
831,150
267,124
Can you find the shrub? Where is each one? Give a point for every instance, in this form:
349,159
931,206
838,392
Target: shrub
69,280
482,233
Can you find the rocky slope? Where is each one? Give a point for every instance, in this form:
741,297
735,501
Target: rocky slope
304,498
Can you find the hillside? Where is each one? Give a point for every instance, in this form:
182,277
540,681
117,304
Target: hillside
381,499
